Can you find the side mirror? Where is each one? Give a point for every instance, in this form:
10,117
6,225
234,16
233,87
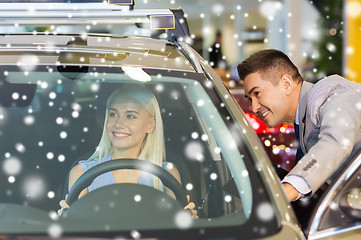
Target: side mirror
351,203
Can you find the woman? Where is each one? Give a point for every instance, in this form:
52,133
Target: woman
133,128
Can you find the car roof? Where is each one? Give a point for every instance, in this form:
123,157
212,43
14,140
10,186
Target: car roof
88,14
89,48
93,49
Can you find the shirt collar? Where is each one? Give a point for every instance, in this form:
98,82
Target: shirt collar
297,121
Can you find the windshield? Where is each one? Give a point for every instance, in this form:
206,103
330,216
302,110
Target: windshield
54,117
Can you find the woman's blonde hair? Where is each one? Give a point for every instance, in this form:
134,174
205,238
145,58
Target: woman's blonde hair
153,148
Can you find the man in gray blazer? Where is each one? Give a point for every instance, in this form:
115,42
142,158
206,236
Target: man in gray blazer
328,114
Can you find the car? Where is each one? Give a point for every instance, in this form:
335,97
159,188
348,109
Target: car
53,92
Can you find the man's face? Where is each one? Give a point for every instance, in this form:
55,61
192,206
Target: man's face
269,101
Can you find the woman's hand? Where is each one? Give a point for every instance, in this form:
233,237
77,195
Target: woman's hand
63,205
191,206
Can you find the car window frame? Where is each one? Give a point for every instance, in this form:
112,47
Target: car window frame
336,188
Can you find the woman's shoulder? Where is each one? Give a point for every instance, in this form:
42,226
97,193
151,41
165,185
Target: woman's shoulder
87,164
88,161
171,168
167,165
91,162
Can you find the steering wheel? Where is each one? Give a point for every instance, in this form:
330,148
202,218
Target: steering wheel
167,179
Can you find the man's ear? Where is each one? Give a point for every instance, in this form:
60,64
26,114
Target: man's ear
287,83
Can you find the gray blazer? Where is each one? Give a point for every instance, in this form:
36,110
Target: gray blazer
330,127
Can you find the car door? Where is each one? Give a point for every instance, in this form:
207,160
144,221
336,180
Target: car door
338,215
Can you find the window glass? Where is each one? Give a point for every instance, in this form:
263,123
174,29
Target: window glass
52,118
341,208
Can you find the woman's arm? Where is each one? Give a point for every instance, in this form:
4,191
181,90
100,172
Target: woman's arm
175,173
74,174
191,206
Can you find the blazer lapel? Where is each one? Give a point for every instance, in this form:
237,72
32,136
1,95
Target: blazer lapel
302,108
302,133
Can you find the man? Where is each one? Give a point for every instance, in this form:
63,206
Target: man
216,58
328,114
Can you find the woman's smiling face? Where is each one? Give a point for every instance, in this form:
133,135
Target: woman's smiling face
127,125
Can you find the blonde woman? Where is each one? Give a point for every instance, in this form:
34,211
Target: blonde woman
133,128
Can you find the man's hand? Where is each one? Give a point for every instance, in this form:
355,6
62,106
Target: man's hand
291,192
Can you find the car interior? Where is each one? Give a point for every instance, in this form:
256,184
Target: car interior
68,117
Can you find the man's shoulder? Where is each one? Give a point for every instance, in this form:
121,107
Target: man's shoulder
331,84
332,89
320,93
336,80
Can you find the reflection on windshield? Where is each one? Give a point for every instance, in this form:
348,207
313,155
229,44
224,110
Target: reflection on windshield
65,122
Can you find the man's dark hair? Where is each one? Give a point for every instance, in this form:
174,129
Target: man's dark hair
271,64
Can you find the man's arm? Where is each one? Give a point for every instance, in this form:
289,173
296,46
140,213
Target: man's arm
298,188
339,124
